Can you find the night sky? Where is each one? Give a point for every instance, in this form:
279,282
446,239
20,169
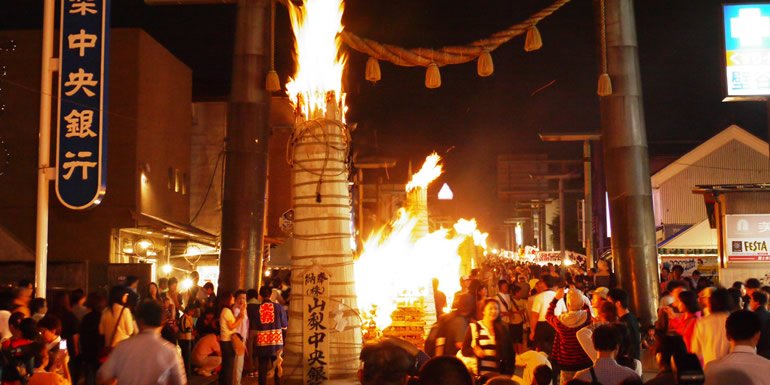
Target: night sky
476,118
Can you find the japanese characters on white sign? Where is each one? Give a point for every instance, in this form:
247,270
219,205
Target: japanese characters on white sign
747,238
81,179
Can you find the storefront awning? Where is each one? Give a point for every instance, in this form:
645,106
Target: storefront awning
696,239
177,229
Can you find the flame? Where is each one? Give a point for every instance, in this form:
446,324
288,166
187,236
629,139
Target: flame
316,25
395,268
430,170
468,228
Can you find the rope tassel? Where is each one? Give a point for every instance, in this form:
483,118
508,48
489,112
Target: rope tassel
272,83
433,76
373,73
605,85
533,41
485,66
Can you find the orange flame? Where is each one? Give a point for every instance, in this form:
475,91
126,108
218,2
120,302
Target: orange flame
316,25
430,170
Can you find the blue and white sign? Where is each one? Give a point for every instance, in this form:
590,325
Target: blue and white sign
747,49
81,147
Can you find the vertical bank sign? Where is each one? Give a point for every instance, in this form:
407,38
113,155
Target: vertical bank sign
747,51
81,147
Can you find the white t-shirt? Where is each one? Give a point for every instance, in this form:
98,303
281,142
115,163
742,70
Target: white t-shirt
226,318
541,302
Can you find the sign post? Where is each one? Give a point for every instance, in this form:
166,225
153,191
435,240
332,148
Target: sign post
81,147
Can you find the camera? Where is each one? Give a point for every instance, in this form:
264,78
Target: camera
63,344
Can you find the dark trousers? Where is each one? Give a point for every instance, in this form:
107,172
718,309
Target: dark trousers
228,358
265,363
89,372
186,347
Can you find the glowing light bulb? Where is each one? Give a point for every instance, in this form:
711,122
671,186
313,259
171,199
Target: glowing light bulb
167,269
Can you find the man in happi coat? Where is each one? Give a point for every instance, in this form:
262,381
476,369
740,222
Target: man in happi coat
270,326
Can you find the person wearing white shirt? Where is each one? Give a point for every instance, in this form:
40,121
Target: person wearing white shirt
530,360
129,363
709,339
243,331
541,332
742,365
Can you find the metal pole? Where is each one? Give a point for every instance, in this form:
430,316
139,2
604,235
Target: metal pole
588,208
44,150
627,165
562,237
245,188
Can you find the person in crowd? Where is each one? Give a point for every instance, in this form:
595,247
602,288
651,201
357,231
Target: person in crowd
693,279
78,302
598,297
665,348
751,285
41,376
271,321
709,339
543,375
501,380
489,341
606,370
153,293
173,293
207,355
541,332
482,293
6,298
664,278
738,292
607,315
503,297
242,331
163,286
196,294
567,352
384,363
603,277
211,298
252,311
170,329
207,323
445,370
670,301
676,273
688,312
228,325
128,363
439,298
623,356
185,325
91,343
519,316
620,298
60,307
703,299
21,298
18,336
758,305
132,286
451,327
117,322
38,307
532,362
648,338
743,329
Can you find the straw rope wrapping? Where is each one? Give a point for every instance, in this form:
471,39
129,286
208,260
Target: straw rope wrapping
410,57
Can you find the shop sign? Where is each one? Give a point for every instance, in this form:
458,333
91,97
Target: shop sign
81,145
315,333
748,237
747,50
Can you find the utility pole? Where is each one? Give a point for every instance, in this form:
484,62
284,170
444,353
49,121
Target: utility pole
626,160
245,188
588,217
44,170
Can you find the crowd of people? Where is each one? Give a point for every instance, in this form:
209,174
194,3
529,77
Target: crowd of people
78,338
519,323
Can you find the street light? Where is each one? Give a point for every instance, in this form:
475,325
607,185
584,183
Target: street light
588,216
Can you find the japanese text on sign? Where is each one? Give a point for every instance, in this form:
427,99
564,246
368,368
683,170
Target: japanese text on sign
747,49
82,122
315,330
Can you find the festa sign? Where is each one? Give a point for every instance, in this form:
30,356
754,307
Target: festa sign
81,143
315,332
748,237
747,51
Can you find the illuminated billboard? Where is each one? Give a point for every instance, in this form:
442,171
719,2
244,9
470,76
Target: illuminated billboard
747,51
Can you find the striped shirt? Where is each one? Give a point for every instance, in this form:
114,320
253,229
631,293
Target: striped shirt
567,351
489,364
